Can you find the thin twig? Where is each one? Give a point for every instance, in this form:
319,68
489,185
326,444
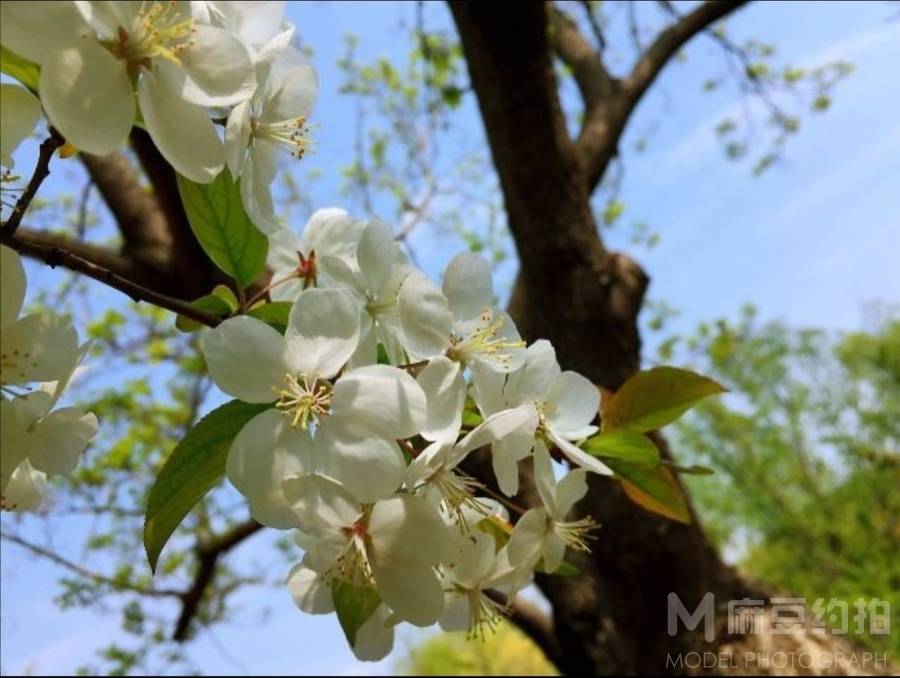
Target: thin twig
41,172
57,256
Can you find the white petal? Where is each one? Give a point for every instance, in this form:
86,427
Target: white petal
20,111
273,47
58,440
406,530
290,92
375,638
474,560
247,359
257,177
255,21
35,30
182,132
553,552
377,255
309,590
13,439
87,95
323,330
570,490
38,347
544,478
537,372
371,467
527,540
579,457
506,455
282,257
383,400
264,453
12,285
456,613
237,138
445,391
321,504
26,489
424,317
107,17
572,403
488,389
522,419
217,69
468,286
332,231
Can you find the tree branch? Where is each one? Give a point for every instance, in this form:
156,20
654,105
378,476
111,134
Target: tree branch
208,554
59,253
88,574
598,141
41,172
533,623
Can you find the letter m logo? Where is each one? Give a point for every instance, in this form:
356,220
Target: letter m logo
705,611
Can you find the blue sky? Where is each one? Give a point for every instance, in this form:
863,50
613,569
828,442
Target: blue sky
811,241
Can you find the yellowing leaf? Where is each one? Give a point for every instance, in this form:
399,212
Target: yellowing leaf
654,489
656,397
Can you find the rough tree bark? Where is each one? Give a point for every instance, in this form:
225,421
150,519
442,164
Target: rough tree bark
613,617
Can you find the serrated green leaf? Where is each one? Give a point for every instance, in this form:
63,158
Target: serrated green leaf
353,605
652,488
217,217
196,464
627,445
656,397
275,314
23,70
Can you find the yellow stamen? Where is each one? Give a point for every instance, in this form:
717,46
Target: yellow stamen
484,342
484,613
294,134
304,399
577,534
159,31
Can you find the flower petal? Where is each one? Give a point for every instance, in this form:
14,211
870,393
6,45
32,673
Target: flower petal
12,285
527,540
264,453
377,255
375,638
333,232
87,95
370,467
237,138
579,457
58,440
572,403
445,391
544,478
570,490
26,489
405,530
35,30
322,505
247,359
468,286
424,317
323,331
382,400
182,131
505,457
38,347
217,69
309,590
539,369
257,176
21,111
13,439
291,88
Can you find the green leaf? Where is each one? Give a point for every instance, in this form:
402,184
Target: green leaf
566,570
354,605
653,398
225,232
654,489
275,314
196,464
694,470
627,445
23,70
220,303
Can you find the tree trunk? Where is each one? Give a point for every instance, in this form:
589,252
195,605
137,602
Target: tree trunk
612,618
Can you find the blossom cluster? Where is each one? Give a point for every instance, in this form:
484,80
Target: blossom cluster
39,354
175,69
382,384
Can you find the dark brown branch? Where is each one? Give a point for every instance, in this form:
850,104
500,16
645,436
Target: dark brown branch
88,574
598,141
593,80
208,555
41,171
60,254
